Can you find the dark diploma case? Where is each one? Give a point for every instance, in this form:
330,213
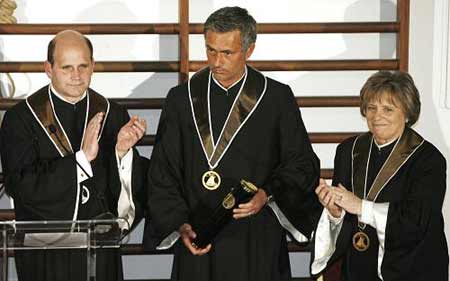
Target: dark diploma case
208,227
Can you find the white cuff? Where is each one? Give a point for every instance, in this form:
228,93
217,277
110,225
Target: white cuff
82,160
286,224
325,242
333,220
125,206
375,215
126,163
366,213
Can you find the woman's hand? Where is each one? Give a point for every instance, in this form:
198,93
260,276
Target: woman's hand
347,200
327,198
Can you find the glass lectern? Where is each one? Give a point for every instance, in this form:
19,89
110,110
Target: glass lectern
89,235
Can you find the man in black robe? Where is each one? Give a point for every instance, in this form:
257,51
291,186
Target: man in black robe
228,123
67,154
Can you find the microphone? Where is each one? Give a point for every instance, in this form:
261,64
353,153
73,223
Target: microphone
99,195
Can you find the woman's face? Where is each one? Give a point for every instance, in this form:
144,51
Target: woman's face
385,119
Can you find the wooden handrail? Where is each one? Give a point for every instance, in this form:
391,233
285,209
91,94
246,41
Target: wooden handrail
157,103
7,215
197,28
183,40
332,137
327,101
337,137
314,65
174,66
105,66
403,34
318,27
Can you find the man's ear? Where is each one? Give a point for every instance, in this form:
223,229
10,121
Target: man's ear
48,69
93,65
249,51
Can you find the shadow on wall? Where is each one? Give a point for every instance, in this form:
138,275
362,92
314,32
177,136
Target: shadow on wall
157,84
160,83
356,47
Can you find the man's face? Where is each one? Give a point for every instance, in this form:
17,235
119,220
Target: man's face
71,70
226,58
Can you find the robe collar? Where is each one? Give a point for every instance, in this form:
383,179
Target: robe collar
42,107
244,75
64,99
403,149
247,100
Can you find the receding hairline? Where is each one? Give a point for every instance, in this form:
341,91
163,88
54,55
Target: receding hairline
70,37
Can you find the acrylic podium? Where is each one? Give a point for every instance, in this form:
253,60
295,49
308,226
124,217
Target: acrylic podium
88,235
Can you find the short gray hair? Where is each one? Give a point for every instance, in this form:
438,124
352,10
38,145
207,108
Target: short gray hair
233,18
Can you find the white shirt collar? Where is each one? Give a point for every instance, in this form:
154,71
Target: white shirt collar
232,85
64,99
380,146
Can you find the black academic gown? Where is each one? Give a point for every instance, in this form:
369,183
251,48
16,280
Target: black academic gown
415,244
44,185
272,150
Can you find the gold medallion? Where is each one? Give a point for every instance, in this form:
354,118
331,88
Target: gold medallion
361,241
229,201
211,180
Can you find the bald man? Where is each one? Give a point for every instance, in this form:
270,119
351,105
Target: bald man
43,138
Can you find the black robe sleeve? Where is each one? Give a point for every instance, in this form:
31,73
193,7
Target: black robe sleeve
410,220
293,181
45,186
167,208
139,186
342,175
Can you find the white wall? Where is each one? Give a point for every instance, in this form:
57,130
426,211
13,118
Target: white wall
429,65
292,46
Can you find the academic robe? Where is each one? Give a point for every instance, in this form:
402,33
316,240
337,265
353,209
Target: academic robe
415,247
43,184
271,150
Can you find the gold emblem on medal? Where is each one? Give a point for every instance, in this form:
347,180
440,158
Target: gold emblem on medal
361,241
211,180
229,201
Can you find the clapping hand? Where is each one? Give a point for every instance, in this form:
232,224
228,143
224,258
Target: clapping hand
347,200
129,135
90,141
327,197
